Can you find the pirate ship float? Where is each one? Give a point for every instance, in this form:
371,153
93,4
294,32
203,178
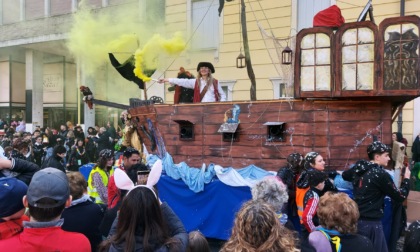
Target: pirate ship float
349,85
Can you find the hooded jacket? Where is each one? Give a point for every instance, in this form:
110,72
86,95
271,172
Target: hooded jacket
303,182
371,183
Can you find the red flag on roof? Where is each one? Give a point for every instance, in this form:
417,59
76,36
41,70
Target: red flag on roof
330,17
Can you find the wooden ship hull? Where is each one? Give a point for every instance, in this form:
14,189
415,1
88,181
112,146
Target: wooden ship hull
339,130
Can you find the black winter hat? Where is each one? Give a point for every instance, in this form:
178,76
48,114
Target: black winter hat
377,147
316,177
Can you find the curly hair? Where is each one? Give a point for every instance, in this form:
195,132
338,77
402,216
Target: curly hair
256,228
272,191
339,212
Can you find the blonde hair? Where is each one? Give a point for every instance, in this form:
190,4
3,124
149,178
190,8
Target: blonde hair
256,228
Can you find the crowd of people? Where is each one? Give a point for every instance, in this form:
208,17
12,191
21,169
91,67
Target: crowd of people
46,204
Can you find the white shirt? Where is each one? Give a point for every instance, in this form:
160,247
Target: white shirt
190,83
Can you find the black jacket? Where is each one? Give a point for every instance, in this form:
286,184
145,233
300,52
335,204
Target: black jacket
415,149
55,162
103,141
22,170
84,218
38,153
77,158
371,183
303,182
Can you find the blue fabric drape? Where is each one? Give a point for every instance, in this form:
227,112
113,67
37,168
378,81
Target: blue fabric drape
212,211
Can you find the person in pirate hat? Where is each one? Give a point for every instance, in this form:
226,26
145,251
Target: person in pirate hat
206,88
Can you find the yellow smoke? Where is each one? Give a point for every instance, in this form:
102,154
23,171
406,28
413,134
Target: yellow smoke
147,57
118,30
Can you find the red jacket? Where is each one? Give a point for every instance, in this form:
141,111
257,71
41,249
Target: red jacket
114,194
11,227
46,239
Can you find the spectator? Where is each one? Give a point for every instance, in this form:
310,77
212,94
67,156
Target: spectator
69,141
50,141
412,238
142,223
38,149
313,161
398,136
111,130
415,149
57,159
22,149
21,127
12,210
82,216
35,134
256,228
63,131
415,173
289,175
131,157
338,215
274,192
2,123
69,125
78,156
99,176
371,183
103,140
197,242
78,132
310,201
91,145
2,154
48,194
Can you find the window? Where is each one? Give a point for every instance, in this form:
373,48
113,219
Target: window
281,89
401,51
315,63
314,74
204,25
13,13
275,131
186,130
227,86
357,55
58,7
34,9
307,9
155,12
